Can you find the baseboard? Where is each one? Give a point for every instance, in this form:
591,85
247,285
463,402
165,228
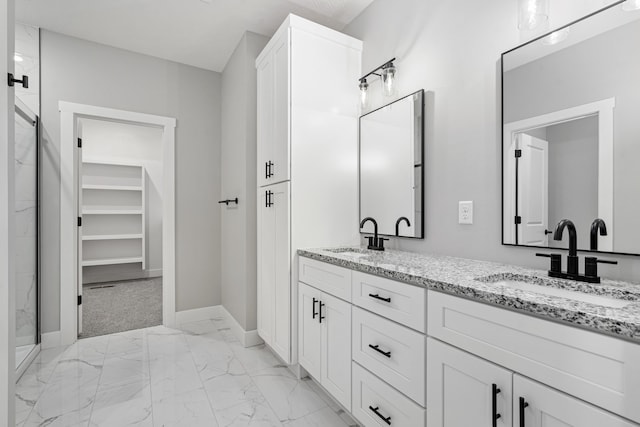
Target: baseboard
198,314
246,338
50,340
117,276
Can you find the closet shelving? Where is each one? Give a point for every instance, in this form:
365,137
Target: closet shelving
113,213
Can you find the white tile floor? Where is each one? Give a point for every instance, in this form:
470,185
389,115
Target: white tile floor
198,376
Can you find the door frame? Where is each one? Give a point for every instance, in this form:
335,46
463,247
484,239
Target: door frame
7,242
69,193
604,111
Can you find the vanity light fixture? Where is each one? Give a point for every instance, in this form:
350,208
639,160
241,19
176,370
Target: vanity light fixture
631,5
532,13
387,74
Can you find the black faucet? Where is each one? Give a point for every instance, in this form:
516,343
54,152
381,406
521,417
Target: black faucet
375,243
402,218
572,258
597,225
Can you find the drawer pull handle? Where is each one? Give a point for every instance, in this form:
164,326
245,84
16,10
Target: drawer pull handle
321,316
375,411
378,297
377,348
494,405
523,404
313,311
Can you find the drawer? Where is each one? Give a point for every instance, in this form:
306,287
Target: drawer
371,393
403,365
397,301
597,368
328,278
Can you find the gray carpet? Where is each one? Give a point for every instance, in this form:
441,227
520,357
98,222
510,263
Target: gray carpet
121,306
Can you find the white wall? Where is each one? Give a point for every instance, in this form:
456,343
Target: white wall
238,168
84,72
111,141
452,50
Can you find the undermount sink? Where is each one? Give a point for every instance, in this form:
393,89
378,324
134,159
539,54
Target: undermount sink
552,291
354,252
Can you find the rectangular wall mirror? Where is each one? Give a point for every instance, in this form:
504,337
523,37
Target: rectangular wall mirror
571,134
391,152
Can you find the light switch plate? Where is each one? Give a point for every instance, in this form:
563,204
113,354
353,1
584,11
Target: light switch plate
465,212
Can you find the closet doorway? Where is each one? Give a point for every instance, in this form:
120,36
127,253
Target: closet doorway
120,236
118,221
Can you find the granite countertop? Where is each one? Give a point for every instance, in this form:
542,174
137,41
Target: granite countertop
479,280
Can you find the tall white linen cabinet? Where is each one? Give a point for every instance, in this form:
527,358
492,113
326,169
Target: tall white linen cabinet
307,163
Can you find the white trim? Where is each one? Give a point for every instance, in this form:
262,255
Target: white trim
51,340
69,113
20,370
246,338
112,276
604,110
199,314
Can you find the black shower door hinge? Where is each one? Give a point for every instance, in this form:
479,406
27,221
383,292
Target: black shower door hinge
518,153
79,299
518,219
79,142
79,221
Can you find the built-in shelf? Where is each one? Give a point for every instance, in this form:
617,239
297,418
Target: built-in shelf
115,214
111,187
113,237
110,261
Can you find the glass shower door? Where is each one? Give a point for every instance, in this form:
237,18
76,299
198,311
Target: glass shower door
26,229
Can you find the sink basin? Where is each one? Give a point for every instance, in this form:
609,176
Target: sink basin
563,293
353,252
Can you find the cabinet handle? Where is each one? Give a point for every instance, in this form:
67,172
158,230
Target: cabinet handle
315,301
266,170
267,199
269,171
378,297
494,405
523,404
375,411
320,311
377,348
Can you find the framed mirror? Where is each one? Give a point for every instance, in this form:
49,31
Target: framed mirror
571,134
391,172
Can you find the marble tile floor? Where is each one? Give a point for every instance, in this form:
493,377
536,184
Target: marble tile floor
197,376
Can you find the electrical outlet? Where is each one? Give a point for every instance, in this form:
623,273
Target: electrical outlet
465,212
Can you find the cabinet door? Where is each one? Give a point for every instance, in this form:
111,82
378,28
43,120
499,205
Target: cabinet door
266,258
281,342
281,111
546,407
335,316
460,389
309,337
264,118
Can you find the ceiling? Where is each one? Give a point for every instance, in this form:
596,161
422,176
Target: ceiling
202,33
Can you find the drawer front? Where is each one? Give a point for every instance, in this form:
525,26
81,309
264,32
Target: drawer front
374,401
328,278
397,301
599,369
398,356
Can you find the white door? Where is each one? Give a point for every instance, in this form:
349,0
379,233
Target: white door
280,202
280,150
536,405
533,191
335,318
309,330
266,266
265,118
462,389
80,218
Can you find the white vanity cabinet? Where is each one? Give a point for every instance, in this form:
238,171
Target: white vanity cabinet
325,341
563,374
307,141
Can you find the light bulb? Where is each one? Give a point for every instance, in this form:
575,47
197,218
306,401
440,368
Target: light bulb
364,98
388,79
532,13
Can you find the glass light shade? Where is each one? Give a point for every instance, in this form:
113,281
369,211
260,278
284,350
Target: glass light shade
532,13
631,5
364,96
556,37
388,79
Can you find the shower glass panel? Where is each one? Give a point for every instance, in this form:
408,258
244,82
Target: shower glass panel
26,229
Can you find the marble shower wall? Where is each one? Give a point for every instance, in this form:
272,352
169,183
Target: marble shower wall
28,49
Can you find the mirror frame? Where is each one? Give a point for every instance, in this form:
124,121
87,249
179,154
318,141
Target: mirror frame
422,164
502,136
